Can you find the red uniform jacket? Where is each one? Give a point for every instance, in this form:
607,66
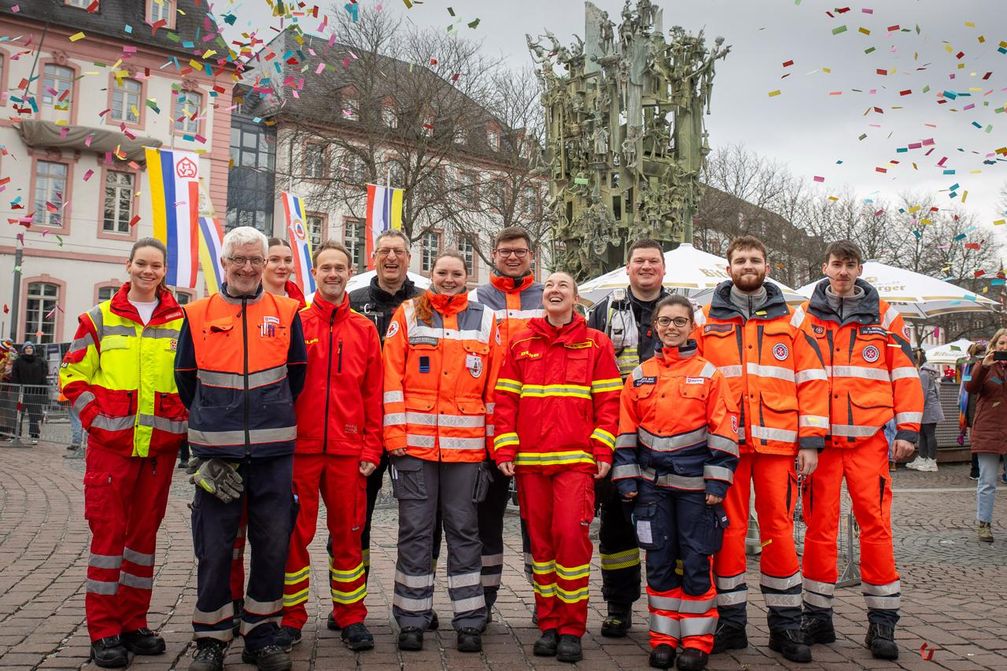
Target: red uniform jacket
557,404
340,411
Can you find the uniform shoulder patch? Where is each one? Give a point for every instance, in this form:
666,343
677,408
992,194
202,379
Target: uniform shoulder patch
818,329
780,352
640,381
393,328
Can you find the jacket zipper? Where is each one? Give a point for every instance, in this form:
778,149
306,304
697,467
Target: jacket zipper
244,341
328,383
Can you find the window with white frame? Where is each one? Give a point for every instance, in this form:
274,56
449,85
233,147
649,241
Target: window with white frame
351,108
430,247
105,293
185,111
461,135
50,190
493,139
315,223
314,161
57,87
118,208
183,297
355,242
40,312
126,101
468,250
162,9
389,116
79,4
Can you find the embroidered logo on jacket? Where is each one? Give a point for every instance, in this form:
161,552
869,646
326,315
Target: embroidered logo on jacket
267,329
819,330
392,330
644,380
475,365
871,354
873,330
780,352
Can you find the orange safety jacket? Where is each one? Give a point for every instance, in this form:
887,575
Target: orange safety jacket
439,378
775,371
239,369
557,399
118,373
515,300
678,425
872,378
340,411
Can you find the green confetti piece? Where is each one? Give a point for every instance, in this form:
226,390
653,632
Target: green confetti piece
870,50
840,29
451,11
862,136
474,24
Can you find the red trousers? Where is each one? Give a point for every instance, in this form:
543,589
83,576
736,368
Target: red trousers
344,491
558,509
775,484
124,503
869,483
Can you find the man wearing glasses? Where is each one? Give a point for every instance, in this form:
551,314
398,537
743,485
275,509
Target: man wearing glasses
240,365
625,317
516,297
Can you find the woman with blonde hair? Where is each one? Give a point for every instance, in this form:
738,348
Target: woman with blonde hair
988,381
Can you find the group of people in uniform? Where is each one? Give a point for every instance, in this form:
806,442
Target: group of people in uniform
660,418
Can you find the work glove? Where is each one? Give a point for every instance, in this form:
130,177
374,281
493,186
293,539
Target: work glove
218,477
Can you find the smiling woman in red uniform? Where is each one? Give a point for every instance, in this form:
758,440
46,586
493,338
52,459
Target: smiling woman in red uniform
675,456
556,415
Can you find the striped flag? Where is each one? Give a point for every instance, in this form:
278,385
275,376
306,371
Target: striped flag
211,238
384,212
300,241
174,194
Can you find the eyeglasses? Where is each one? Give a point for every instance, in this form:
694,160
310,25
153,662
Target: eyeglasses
518,253
385,251
677,321
240,261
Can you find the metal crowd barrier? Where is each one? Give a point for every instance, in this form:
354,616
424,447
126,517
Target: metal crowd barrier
848,557
30,414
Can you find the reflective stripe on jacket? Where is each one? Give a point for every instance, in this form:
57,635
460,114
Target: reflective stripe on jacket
340,411
515,301
870,366
775,371
439,378
557,399
119,375
627,324
239,368
678,424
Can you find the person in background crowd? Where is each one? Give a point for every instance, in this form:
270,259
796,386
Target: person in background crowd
516,298
557,410
988,383
240,368
441,364
31,371
338,445
118,375
675,458
276,276
872,380
8,392
75,449
626,318
967,401
933,413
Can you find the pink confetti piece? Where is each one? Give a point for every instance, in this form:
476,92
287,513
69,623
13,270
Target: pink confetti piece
819,178
88,174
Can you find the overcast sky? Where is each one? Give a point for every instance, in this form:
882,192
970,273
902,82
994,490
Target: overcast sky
814,124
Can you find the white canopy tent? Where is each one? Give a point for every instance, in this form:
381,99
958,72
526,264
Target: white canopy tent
949,353
917,296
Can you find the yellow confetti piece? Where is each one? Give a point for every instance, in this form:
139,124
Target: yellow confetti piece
773,94
767,542
865,31
76,37
982,39
208,53
970,24
965,195
999,222
195,65
827,71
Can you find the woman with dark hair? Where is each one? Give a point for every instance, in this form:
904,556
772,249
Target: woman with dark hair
988,382
441,364
31,371
278,271
119,374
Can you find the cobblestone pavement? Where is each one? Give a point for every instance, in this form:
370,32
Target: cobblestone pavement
955,589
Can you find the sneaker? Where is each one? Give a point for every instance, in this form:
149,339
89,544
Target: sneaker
917,464
568,649
986,532
818,630
881,640
287,638
76,453
72,446
790,643
662,657
729,637
618,622
546,644
356,637
411,638
34,441
469,640
143,642
974,476
269,658
209,655
930,466
109,653
692,659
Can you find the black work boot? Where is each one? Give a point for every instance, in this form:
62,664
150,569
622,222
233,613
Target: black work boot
109,653
469,640
662,657
619,620
817,630
568,649
209,655
287,638
546,644
729,636
143,642
269,658
790,643
881,640
692,659
357,637
411,638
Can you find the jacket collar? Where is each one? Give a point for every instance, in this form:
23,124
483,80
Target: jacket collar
448,304
669,356
573,331
227,298
167,307
294,291
865,310
721,306
330,311
407,290
512,285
